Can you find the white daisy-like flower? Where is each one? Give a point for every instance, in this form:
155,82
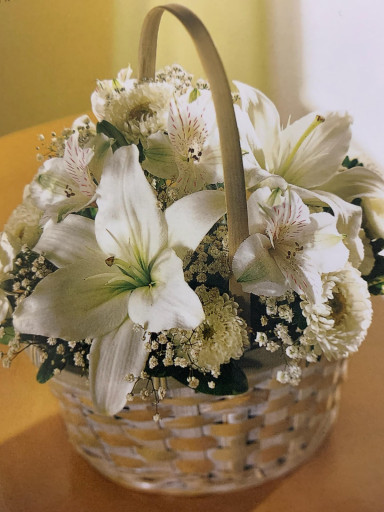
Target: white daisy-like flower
24,222
137,109
338,325
222,336
108,91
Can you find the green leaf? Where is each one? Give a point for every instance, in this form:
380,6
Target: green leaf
9,332
113,133
349,164
231,381
195,93
47,368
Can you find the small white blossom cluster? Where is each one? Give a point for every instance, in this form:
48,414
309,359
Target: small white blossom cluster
56,146
14,348
177,77
29,269
210,257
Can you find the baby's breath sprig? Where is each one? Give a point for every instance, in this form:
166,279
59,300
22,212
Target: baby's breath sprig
209,264
54,146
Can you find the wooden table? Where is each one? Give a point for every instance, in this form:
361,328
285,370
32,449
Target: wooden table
40,472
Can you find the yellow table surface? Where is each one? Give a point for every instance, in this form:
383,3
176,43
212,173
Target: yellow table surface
40,471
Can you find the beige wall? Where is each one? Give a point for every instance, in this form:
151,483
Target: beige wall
53,50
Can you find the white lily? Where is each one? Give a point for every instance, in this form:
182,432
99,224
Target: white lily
288,248
120,275
307,155
66,185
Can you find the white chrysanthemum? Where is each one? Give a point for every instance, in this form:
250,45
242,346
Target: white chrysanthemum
136,109
221,337
338,325
24,222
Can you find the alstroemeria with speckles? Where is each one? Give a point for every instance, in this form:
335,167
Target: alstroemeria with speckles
289,248
189,152
66,185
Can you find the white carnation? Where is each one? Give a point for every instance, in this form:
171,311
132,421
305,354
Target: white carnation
338,325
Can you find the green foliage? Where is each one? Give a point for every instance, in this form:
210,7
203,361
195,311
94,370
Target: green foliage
54,360
9,332
113,133
195,93
89,212
375,279
231,381
60,356
349,164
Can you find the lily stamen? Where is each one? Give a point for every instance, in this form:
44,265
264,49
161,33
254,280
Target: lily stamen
317,121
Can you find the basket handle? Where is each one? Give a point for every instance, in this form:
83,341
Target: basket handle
237,217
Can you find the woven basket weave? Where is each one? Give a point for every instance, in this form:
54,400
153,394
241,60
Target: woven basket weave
205,443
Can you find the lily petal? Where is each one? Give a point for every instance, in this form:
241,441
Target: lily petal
170,303
73,303
133,216
329,253
255,269
264,118
5,306
357,182
112,358
320,154
348,219
70,240
190,218
160,157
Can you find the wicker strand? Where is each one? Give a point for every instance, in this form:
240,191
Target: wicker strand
205,443
237,216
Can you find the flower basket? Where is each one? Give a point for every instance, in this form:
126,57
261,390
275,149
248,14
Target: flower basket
191,277
205,443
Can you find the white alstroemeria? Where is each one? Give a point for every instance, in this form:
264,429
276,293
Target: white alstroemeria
307,155
9,247
120,275
288,248
189,153
66,185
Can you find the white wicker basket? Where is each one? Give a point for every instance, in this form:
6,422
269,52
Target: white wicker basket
205,443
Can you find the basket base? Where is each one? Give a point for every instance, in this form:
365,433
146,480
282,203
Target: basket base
205,444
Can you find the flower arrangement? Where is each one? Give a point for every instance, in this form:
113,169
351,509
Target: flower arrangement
116,263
